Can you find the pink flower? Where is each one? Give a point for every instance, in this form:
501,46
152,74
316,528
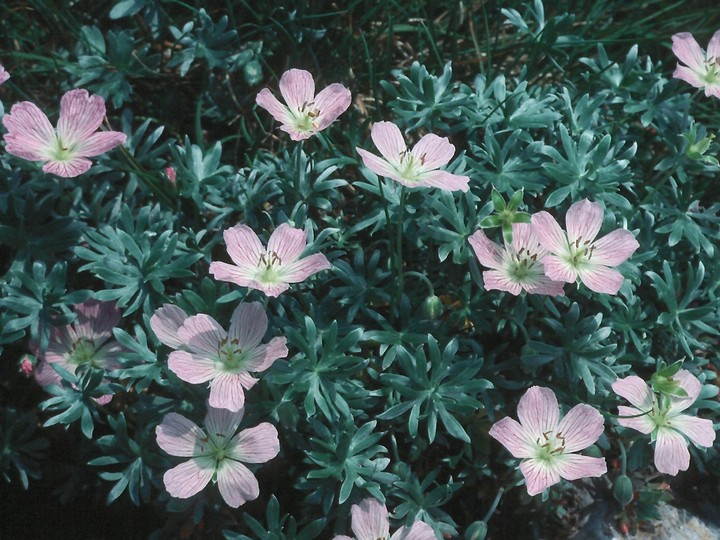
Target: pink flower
88,340
547,444
217,454
270,270
63,150
4,75
663,421
225,359
577,254
305,113
517,267
171,174
370,522
416,167
26,366
702,70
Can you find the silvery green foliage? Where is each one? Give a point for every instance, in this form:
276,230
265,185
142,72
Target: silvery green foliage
23,446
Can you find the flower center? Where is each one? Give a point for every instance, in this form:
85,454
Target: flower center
580,252
62,151
231,354
305,116
410,165
550,445
82,351
523,265
268,265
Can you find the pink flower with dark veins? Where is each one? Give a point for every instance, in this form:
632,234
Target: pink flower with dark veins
412,168
701,69
64,150
370,522
304,114
546,444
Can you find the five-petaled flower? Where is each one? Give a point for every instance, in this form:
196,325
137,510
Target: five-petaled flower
305,113
216,454
270,270
87,340
661,418
209,354
4,75
547,444
701,69
517,267
416,167
64,150
370,522
577,254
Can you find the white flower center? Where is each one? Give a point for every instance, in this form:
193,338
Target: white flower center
579,253
268,268
231,354
82,351
305,116
522,266
410,165
551,444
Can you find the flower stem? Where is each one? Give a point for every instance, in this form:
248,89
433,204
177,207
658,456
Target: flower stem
494,505
299,170
398,251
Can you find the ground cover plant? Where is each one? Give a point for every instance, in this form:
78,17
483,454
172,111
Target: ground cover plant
340,270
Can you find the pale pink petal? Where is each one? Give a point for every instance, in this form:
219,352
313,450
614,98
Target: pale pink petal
4,75
370,520
538,475
191,368
549,233
99,143
691,384
689,76
376,164
30,134
643,424
80,115
68,169
614,248
258,444
574,466
267,354
297,88
190,477
495,280
671,453
342,537
523,238
226,392
519,442
331,102
418,531
299,271
96,319
389,140
581,427
433,152
46,375
244,247
236,483
558,269
234,274
287,243
295,133
271,289
636,391
699,430
221,424
443,180
487,252
248,324
202,334
713,50
545,285
165,322
601,279
538,411
687,49
179,436
269,102
583,221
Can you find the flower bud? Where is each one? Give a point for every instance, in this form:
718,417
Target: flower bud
432,307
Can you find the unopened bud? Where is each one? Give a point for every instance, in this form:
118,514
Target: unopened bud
432,307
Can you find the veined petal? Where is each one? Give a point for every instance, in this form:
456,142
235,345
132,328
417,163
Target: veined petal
4,75
433,151
545,285
287,243
96,319
389,141
671,453
189,478
495,280
418,531
614,248
276,349
45,375
691,384
558,269
30,134
687,49
179,436
258,444
688,75
643,424
202,334
236,483
581,427
68,169
295,133
636,391
538,475
243,246
99,143
713,50
370,520
226,392
242,276
248,324
165,322
443,180
487,252
221,424
80,116
549,233
523,238
332,101
273,290
192,368
519,442
601,279
300,270
297,88
376,164
538,411
574,466
583,221
699,430
271,104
